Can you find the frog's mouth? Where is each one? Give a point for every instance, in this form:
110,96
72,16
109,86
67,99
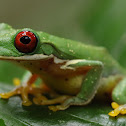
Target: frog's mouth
27,57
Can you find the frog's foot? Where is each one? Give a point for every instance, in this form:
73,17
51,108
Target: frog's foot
58,107
41,100
24,91
118,109
16,91
36,92
7,95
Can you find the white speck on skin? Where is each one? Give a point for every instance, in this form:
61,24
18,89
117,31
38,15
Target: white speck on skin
71,50
68,45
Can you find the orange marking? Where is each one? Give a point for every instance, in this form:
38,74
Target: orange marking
32,79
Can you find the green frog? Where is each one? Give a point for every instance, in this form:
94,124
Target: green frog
72,72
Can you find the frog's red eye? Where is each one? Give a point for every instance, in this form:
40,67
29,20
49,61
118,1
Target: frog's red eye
26,41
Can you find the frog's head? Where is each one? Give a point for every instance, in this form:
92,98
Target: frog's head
22,44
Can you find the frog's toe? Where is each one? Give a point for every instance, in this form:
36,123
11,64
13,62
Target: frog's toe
38,100
114,113
7,95
20,90
57,107
118,109
16,91
16,81
26,103
59,100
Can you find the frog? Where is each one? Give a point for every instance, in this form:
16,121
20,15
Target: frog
72,73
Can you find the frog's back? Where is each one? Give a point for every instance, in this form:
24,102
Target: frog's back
77,50
71,49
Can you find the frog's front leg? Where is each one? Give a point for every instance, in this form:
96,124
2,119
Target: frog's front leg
89,84
25,89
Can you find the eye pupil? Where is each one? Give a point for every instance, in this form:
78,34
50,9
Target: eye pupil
25,39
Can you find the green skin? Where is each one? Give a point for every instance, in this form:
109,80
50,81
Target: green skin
78,55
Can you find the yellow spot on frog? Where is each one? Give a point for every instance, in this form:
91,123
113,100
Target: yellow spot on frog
16,81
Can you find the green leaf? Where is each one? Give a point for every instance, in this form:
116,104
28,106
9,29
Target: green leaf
8,71
2,122
94,114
